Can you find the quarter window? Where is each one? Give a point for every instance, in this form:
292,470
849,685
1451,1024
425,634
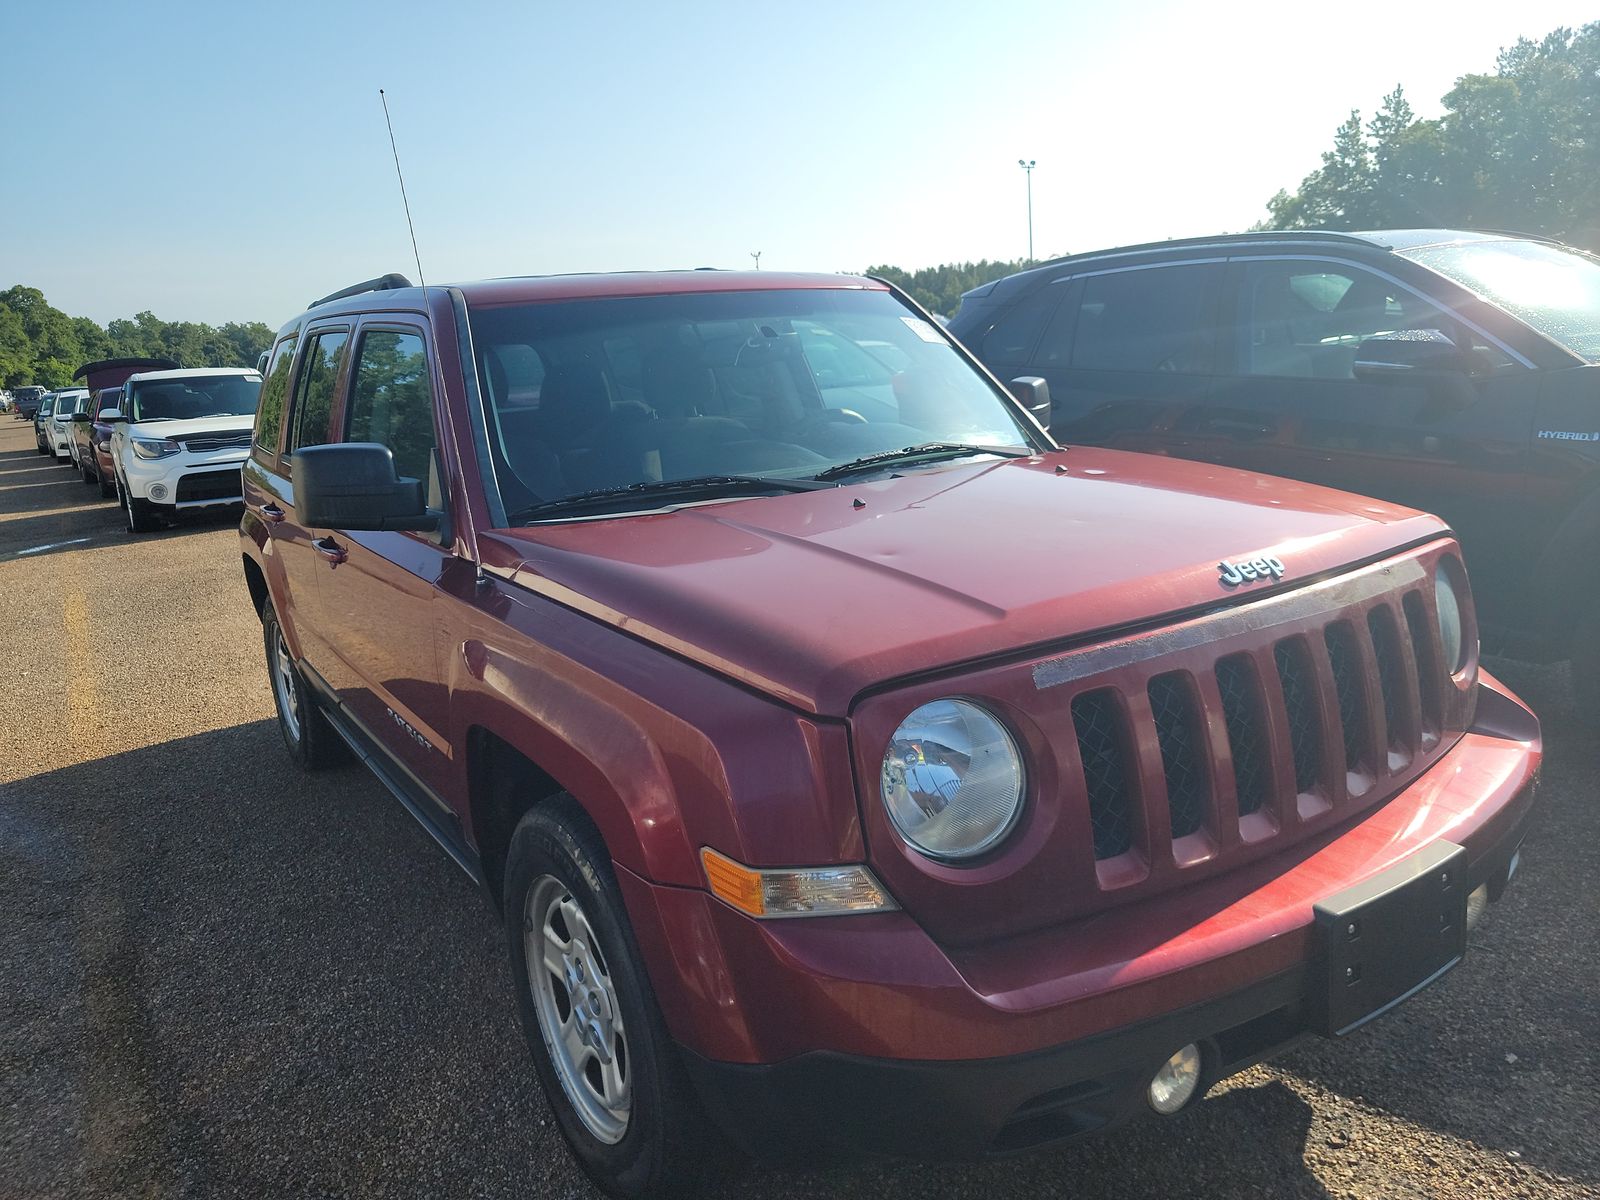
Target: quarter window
319,376
269,416
391,401
1160,319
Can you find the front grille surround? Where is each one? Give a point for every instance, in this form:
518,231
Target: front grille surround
1253,688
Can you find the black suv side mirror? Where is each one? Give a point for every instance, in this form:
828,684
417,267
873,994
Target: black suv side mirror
85,418
1034,395
1402,356
352,485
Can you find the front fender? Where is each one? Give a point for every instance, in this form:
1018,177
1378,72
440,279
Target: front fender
663,755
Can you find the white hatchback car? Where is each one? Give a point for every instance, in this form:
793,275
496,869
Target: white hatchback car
179,439
71,401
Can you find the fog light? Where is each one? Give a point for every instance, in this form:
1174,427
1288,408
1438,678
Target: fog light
158,491
1176,1081
1477,905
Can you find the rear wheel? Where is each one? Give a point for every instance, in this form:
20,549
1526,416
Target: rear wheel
611,1073
311,741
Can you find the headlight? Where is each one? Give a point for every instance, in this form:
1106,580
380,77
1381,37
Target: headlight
1451,634
952,780
155,447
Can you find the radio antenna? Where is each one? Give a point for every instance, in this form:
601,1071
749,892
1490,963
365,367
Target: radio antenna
420,277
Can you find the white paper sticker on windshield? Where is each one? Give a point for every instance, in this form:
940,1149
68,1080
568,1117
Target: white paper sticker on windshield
922,329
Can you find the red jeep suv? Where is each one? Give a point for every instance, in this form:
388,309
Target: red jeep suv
857,770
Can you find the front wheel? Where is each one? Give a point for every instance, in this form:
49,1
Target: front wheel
601,1050
140,514
108,487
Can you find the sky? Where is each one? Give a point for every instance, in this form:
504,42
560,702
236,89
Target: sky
219,162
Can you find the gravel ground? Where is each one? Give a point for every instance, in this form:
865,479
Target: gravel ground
222,977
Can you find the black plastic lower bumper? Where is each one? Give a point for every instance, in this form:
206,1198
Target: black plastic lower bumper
824,1106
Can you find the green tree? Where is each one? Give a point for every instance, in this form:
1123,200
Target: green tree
1514,149
939,289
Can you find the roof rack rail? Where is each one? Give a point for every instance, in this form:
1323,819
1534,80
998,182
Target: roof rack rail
383,283
1258,235
1521,233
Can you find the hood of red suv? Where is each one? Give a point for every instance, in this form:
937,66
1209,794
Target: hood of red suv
817,596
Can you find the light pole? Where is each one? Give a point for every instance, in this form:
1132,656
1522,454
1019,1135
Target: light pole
1027,164
756,254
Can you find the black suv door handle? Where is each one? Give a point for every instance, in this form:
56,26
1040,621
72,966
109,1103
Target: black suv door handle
272,513
330,550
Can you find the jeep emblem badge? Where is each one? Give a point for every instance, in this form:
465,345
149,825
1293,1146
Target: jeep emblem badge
1233,574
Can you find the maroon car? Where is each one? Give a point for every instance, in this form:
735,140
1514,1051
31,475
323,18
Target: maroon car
91,433
857,770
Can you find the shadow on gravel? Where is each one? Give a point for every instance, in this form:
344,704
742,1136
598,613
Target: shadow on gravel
232,978
1504,1051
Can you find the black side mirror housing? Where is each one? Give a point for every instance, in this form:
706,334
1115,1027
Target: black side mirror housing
1033,393
352,485
1408,355
85,418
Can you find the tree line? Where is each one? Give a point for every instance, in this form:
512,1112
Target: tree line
938,289
40,344
1516,149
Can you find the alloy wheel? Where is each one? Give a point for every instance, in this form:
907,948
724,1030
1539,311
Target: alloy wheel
578,1010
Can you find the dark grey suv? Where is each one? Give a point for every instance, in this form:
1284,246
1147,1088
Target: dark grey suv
1455,372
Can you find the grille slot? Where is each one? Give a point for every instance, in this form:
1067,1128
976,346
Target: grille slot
1391,682
1297,676
1345,660
1428,672
1096,718
1245,716
1188,782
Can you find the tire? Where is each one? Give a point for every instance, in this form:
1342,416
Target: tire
311,741
108,487
42,450
140,514
88,476
661,1145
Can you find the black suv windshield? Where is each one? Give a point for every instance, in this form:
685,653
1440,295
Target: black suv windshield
592,395
194,397
1556,291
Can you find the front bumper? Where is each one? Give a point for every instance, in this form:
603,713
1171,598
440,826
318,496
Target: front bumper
61,441
855,1036
186,480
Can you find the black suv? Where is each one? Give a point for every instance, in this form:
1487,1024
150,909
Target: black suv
1455,372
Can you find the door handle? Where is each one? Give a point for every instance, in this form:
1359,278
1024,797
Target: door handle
330,550
271,512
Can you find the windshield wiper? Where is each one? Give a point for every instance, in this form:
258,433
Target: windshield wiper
925,452
702,487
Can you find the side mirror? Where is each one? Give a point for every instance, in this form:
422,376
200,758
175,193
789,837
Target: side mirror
85,418
108,415
1033,393
352,485
1406,354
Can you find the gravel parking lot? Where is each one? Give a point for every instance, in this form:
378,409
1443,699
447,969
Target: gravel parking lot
222,977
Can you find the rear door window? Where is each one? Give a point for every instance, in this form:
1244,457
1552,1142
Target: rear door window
274,392
1157,319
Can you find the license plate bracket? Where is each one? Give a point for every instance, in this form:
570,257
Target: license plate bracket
1388,937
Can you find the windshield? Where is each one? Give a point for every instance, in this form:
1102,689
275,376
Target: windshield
47,406
195,397
1554,290
595,394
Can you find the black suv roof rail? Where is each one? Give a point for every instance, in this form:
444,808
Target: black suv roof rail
1525,236
1261,235
383,283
